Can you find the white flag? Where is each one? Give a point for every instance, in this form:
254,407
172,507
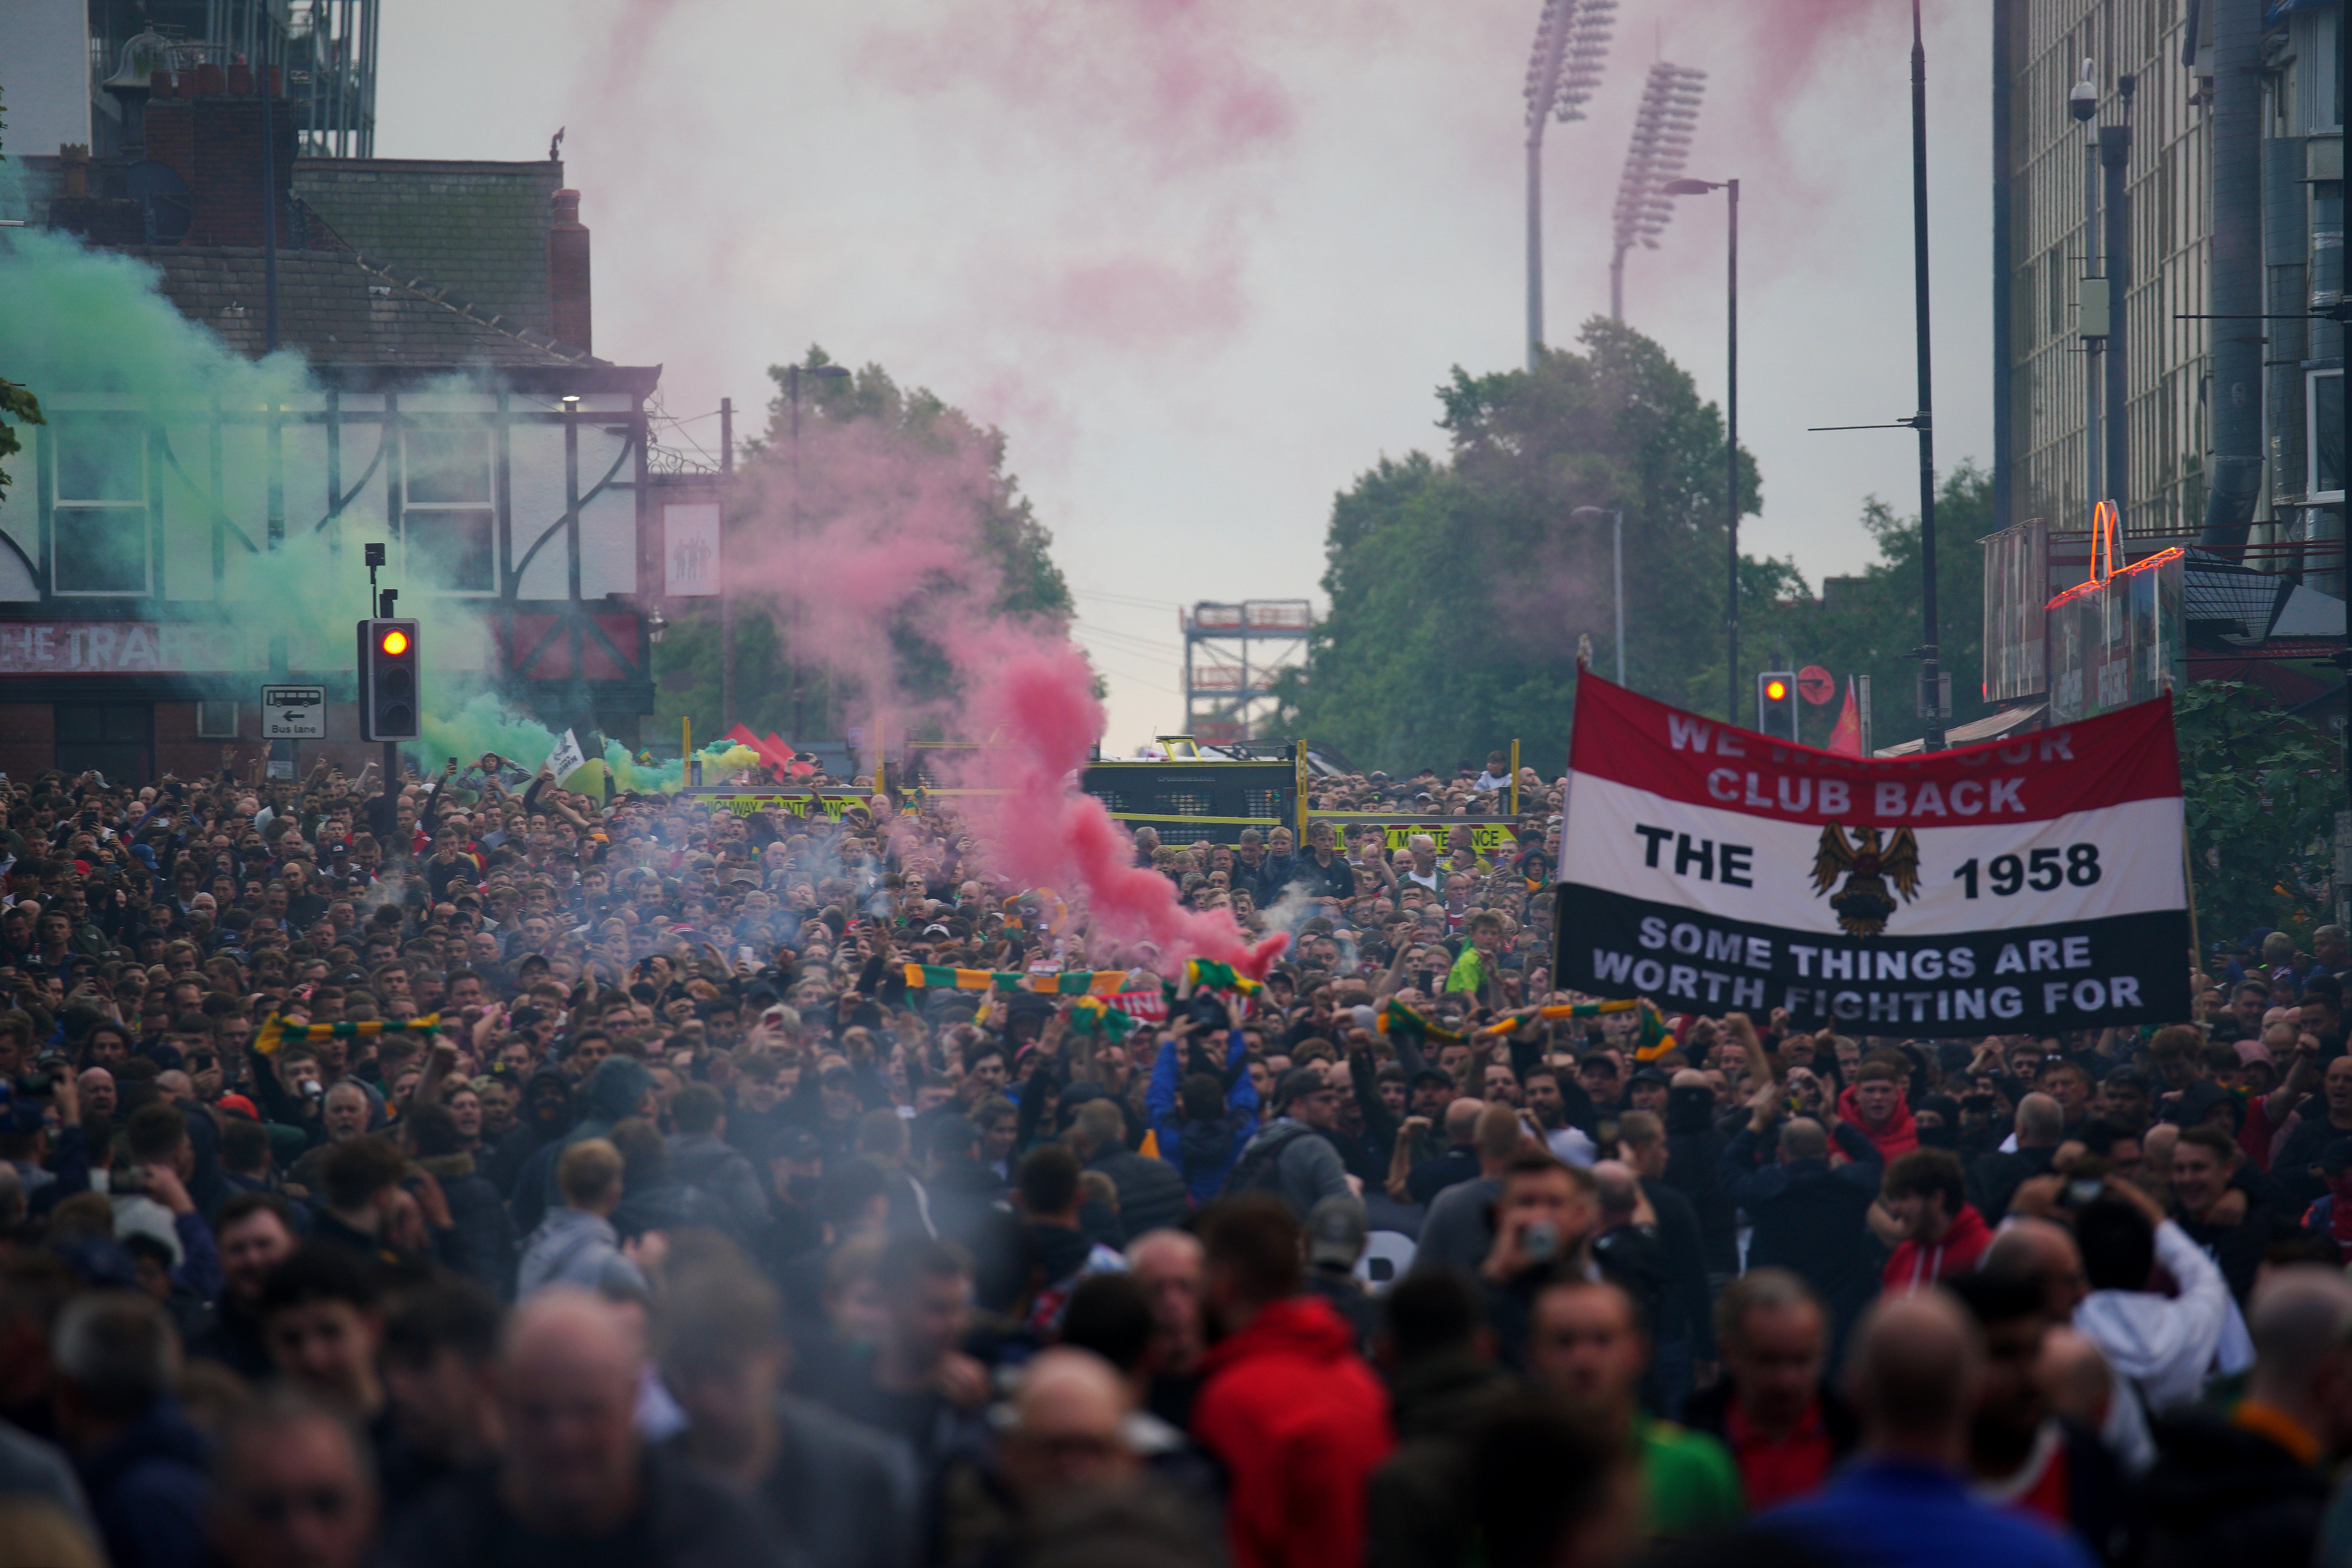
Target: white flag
567,757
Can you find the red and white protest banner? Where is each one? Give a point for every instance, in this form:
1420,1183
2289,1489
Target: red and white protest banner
2031,883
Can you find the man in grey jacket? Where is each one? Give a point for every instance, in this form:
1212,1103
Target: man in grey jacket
1292,1157
701,1157
576,1244
833,1493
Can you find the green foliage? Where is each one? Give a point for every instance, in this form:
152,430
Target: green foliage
17,406
1868,625
920,423
2260,791
809,700
1459,587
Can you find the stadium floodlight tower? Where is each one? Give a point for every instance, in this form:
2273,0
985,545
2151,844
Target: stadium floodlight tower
1571,44
1654,155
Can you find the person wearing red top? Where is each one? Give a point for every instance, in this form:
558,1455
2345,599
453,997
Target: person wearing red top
2331,1215
1924,1201
1874,1103
1785,1430
2021,1455
2294,1057
1286,1405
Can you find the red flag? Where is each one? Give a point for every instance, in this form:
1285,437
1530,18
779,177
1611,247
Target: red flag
1846,738
772,751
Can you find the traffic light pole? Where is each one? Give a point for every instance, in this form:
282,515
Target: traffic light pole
386,599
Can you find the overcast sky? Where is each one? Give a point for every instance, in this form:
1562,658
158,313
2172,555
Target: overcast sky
1205,260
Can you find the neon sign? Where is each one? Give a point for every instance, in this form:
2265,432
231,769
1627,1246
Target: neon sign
2106,546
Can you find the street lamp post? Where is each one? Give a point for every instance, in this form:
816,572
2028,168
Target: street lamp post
726,599
1931,682
793,395
1617,569
1731,430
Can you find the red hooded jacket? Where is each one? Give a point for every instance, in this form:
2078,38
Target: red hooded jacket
1917,1264
1299,1422
1899,1136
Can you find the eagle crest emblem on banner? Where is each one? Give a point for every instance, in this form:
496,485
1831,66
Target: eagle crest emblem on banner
1874,874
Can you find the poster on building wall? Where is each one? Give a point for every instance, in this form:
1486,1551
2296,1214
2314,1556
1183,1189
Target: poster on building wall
2028,884
690,560
122,648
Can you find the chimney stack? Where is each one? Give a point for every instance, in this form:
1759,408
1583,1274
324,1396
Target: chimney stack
567,272
208,130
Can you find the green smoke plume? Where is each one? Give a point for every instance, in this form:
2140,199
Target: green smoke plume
86,329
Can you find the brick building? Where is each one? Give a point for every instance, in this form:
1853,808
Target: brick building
449,406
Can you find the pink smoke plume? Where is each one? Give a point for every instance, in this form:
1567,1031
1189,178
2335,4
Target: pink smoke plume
1045,833
865,530
1176,80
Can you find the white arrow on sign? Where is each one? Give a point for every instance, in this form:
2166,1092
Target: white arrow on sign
293,712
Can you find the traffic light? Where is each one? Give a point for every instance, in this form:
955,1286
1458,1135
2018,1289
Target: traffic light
387,680
1776,703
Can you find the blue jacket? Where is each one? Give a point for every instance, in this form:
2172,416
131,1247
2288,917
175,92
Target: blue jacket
149,1490
1887,1513
1214,1149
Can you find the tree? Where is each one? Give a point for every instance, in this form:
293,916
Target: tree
863,443
2259,790
1459,588
1869,624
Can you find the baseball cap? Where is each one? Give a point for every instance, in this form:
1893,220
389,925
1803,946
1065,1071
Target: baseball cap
2195,1101
1335,1231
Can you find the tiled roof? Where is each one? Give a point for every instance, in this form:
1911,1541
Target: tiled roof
479,228
338,309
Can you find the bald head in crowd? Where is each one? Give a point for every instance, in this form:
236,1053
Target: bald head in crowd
1461,1120
1497,1136
2301,1321
568,1385
1619,1190
1068,1428
2040,1121
2045,1253
1912,1375
2075,1377
1801,1138
1168,1265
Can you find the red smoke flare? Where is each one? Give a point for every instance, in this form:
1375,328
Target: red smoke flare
1046,833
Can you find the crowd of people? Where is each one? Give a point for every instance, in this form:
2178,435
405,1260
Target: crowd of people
433,1173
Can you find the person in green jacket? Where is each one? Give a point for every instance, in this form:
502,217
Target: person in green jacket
1585,1343
1477,971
